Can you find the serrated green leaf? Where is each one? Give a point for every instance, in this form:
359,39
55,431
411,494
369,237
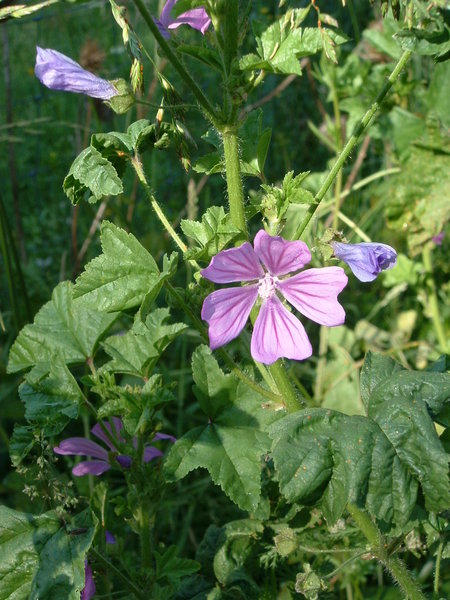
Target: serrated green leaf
91,171
39,558
122,276
379,461
170,264
423,42
137,352
210,163
63,327
232,441
212,235
51,400
376,369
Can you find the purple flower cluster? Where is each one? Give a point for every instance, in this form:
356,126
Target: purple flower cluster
105,459
264,268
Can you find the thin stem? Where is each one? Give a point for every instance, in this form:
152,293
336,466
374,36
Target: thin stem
393,564
290,399
118,573
353,226
338,126
145,534
352,141
433,304
137,165
182,71
234,180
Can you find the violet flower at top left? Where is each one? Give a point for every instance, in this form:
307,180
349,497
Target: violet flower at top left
59,72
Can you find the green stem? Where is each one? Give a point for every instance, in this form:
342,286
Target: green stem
137,165
393,564
433,304
437,570
338,125
234,181
118,573
352,141
145,534
290,399
182,71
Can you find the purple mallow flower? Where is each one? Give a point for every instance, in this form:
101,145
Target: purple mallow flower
277,332
89,583
104,459
59,72
197,18
367,259
438,239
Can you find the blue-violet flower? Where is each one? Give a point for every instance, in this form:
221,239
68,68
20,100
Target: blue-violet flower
59,72
89,584
276,332
367,259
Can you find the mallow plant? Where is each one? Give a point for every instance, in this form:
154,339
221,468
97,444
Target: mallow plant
315,490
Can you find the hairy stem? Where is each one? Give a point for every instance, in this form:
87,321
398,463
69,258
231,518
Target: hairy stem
352,141
393,564
234,181
291,400
178,65
137,165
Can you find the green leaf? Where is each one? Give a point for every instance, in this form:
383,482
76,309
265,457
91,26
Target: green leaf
169,566
91,171
210,163
283,43
51,398
21,443
212,235
39,558
63,327
232,440
423,42
378,461
137,352
122,276
207,56
255,144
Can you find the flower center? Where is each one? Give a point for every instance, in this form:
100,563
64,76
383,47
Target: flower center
267,286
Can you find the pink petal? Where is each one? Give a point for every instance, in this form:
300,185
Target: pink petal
314,293
90,467
280,256
197,18
81,447
98,432
227,311
164,18
278,333
235,264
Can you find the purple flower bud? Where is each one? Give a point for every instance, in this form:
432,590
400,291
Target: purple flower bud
59,72
367,259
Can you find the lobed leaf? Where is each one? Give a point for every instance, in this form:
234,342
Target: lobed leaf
64,327
122,276
379,461
137,352
91,172
212,234
232,441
